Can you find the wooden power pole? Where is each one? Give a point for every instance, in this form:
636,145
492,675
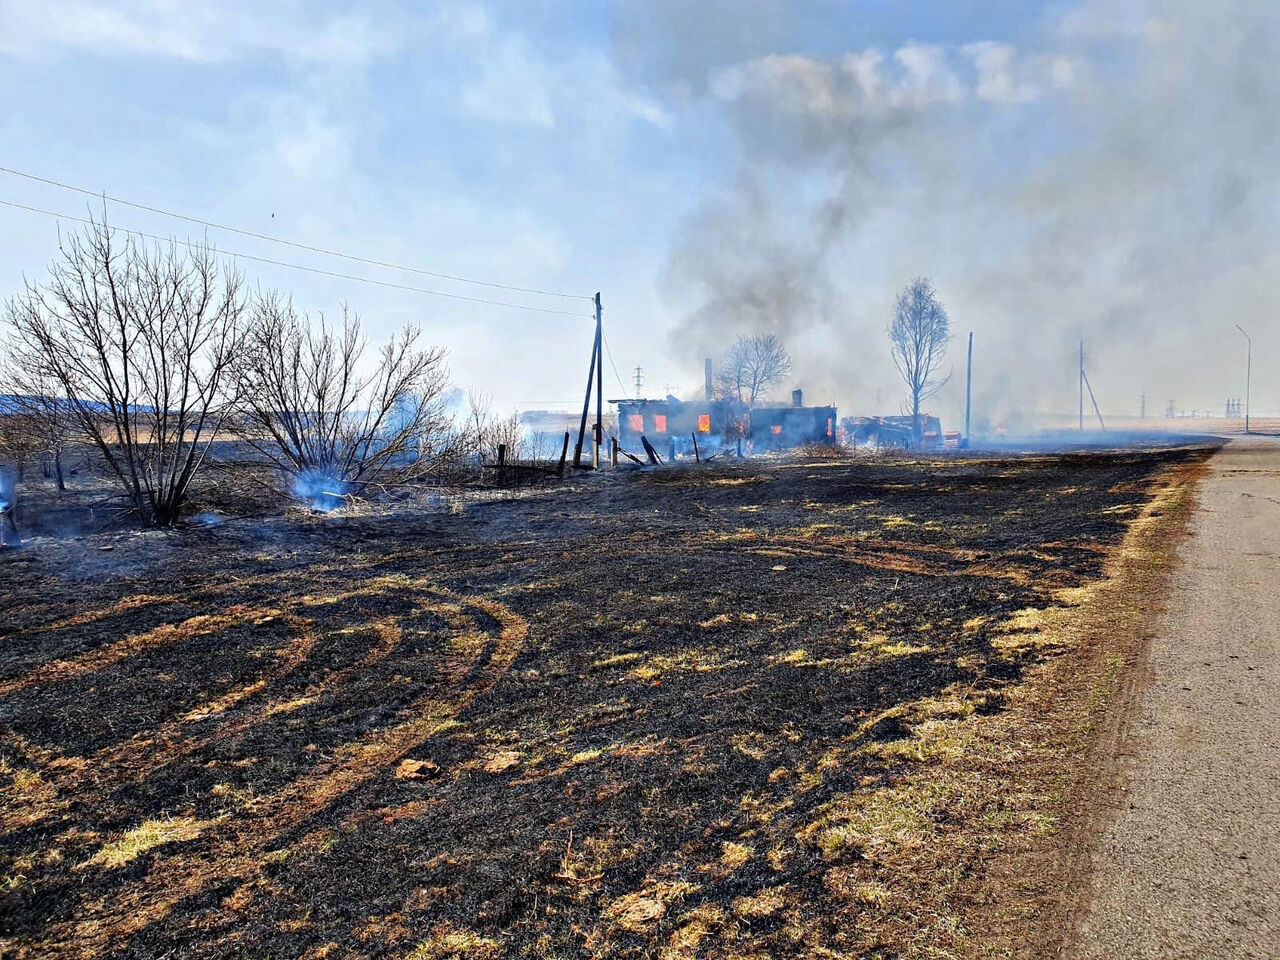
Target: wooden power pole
586,400
595,376
599,437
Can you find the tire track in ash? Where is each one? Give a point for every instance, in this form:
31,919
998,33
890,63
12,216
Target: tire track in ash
111,654
170,742
236,852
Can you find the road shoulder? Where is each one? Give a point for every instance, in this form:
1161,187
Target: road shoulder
1190,864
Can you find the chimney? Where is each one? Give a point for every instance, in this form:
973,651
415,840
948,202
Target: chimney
797,398
708,365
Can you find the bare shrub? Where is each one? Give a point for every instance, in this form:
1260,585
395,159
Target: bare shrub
40,422
20,436
332,423
822,451
482,431
136,342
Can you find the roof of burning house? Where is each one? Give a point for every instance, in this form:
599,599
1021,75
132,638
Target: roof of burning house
770,405
640,401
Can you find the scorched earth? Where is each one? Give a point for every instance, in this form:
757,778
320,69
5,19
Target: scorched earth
733,710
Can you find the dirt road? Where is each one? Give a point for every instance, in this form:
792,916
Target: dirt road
1191,865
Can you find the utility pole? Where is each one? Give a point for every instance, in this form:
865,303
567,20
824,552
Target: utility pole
968,390
639,381
1081,426
1248,375
599,438
586,401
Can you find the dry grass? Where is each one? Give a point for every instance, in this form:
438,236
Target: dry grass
144,837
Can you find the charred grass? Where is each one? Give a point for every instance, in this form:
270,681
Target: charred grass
804,708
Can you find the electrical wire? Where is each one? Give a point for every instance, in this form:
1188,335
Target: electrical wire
298,266
290,243
609,353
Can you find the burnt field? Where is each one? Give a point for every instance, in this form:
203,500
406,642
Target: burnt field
722,711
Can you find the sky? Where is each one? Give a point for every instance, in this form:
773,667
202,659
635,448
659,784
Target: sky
1066,170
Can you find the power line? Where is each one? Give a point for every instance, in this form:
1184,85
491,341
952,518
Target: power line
298,266
290,243
609,354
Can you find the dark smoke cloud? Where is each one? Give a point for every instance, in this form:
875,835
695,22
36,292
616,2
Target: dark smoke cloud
1113,176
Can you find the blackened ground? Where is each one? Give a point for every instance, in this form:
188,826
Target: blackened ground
637,699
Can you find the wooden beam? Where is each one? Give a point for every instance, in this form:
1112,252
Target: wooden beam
648,448
564,453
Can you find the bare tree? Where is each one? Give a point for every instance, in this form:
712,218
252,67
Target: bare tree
136,341
919,335
752,366
309,404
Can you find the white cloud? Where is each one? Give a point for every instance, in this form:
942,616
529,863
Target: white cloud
863,83
1105,20
998,76
515,83
795,83
647,110
197,30
867,83
865,69
512,86
929,77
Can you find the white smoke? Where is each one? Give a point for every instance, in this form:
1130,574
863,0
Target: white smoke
1112,176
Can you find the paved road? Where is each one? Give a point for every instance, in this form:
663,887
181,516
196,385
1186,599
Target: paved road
1191,867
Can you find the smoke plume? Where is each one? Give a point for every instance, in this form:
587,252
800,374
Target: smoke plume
1111,176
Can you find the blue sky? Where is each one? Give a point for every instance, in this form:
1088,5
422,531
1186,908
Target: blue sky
577,147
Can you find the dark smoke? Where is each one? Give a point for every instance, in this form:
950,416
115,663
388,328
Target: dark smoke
1111,176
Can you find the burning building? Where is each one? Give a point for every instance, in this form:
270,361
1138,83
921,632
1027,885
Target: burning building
719,422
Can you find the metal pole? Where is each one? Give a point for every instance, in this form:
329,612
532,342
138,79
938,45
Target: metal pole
1248,374
599,437
1082,386
968,390
1094,401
